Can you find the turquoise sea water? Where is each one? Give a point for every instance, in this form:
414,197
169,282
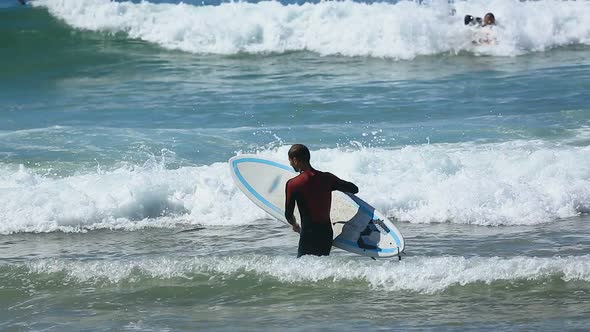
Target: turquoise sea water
118,212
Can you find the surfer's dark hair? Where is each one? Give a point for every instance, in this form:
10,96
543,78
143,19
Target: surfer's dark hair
299,151
468,19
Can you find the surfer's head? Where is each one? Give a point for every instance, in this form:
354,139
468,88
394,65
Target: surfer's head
299,157
489,19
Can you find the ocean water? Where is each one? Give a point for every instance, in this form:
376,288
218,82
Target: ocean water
118,212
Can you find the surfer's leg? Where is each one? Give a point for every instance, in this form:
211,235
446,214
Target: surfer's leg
324,243
305,244
315,241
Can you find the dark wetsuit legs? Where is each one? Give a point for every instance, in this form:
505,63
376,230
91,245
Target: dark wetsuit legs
315,240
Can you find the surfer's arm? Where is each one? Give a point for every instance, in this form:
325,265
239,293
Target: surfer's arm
344,186
289,205
290,218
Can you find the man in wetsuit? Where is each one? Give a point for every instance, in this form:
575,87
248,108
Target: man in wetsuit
312,191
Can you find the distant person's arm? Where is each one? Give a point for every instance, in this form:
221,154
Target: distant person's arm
290,208
344,186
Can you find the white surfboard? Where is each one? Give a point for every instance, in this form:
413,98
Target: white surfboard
358,227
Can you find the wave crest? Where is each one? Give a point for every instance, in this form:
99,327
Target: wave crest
517,183
402,30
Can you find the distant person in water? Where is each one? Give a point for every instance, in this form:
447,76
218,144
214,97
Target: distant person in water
312,191
23,2
485,36
488,20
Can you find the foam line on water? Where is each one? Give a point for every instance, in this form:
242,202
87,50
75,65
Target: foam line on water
416,274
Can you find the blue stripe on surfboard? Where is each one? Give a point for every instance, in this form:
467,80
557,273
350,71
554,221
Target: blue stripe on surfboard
263,161
361,204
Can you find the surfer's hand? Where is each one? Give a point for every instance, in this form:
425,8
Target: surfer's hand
296,228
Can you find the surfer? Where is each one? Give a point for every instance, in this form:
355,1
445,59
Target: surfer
484,33
312,191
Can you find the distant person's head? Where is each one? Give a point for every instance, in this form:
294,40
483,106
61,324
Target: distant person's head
299,157
489,19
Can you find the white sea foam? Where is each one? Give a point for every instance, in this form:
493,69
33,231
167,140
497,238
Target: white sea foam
126,198
516,183
417,274
402,30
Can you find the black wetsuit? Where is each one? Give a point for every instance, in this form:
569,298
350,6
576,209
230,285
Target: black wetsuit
312,190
